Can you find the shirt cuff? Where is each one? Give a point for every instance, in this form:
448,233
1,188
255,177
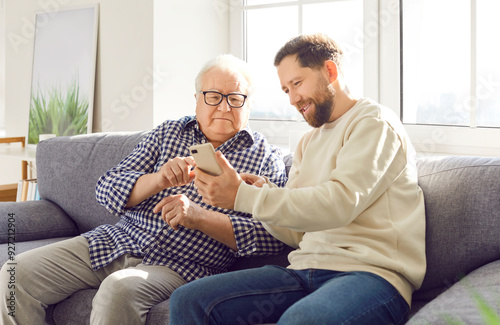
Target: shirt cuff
244,233
252,238
117,192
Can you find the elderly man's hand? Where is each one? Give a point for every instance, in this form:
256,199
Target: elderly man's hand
219,190
178,210
176,172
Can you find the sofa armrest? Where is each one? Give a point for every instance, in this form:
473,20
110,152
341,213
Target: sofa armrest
33,220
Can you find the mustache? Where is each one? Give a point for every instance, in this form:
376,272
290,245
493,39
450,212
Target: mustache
303,103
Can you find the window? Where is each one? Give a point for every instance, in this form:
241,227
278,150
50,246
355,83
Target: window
451,74
449,71
434,62
266,25
270,24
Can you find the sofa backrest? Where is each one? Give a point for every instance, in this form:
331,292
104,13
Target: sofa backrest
462,204
68,169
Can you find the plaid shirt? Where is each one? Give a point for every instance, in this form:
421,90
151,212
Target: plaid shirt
142,233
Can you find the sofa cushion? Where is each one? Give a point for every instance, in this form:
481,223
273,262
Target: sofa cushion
36,220
68,169
462,303
76,310
462,218
159,314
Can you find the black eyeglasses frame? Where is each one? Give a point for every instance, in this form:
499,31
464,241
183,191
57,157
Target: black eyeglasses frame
222,98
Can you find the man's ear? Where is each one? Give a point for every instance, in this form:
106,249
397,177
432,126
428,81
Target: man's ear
332,70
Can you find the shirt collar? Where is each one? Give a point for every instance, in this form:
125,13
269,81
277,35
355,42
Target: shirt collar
245,134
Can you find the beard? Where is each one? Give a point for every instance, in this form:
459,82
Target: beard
324,103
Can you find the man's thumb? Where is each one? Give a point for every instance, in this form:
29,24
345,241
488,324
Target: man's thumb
224,164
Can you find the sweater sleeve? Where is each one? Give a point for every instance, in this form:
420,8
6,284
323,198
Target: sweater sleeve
370,160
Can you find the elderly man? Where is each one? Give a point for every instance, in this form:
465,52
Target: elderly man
352,207
166,235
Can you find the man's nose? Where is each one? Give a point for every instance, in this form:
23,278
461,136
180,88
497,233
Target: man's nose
294,97
224,106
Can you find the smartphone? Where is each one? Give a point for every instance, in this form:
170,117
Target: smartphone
204,156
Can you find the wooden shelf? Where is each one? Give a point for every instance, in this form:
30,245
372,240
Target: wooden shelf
8,193
18,153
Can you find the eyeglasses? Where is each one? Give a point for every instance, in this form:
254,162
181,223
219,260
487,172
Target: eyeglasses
214,98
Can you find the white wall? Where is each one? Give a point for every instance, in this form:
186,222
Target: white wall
124,60
10,170
2,67
149,52
125,64
186,35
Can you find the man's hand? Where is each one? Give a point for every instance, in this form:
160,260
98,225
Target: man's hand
176,172
219,190
178,210
254,180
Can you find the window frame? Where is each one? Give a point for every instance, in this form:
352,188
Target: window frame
444,139
382,82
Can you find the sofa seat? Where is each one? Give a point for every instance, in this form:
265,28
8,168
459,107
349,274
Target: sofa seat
467,302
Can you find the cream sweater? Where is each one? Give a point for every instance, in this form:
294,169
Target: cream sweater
352,202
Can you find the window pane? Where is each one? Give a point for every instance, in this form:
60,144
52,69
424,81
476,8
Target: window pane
267,31
343,22
270,28
436,62
488,64
262,2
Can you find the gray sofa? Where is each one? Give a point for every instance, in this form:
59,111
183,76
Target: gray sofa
462,210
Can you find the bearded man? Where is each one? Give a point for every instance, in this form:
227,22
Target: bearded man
352,208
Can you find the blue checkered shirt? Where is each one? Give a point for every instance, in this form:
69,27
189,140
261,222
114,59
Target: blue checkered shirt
142,233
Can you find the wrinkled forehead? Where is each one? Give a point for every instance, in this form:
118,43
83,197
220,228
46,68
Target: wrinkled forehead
225,81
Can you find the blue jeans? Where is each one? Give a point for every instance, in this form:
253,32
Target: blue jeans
274,294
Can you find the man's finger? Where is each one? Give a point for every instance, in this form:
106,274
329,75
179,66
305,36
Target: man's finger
158,207
225,165
201,178
190,161
172,215
171,220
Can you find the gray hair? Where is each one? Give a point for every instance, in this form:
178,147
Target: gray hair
228,63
